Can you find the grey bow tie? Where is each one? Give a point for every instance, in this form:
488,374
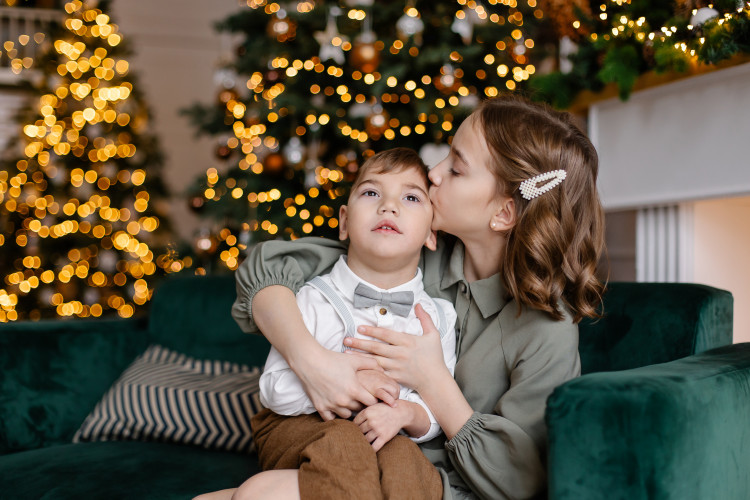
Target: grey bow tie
399,302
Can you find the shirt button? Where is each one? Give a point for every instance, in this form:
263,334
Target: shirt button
383,311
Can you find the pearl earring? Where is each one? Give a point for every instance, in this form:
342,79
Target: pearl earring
492,225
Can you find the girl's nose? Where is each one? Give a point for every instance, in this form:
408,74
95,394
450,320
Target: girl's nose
435,175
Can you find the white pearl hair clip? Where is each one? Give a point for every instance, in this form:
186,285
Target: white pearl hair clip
530,190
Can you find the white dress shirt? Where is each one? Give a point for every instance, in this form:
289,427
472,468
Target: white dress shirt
281,390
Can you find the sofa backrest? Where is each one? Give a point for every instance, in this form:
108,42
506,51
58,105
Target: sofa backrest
649,323
192,315
643,323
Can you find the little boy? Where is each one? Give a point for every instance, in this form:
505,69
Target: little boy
387,220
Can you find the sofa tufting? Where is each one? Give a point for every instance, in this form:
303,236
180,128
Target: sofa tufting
662,410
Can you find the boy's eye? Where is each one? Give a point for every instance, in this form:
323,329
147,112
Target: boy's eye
369,192
454,172
412,197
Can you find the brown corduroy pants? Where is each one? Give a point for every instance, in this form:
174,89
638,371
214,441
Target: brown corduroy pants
336,462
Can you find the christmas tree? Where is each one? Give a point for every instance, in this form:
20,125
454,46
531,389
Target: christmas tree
318,86
78,190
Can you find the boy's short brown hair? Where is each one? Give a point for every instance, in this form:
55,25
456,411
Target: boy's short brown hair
392,160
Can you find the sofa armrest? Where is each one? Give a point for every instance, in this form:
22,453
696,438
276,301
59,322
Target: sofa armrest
52,373
667,431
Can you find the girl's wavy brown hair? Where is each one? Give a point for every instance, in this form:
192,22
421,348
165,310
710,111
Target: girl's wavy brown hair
553,249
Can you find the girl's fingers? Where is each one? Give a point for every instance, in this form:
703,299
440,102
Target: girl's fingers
364,361
369,346
386,397
425,319
383,334
328,415
341,412
364,396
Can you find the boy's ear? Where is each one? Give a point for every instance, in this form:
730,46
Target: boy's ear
431,241
343,232
504,217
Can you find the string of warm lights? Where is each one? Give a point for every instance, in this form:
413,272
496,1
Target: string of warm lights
18,64
616,44
352,92
76,209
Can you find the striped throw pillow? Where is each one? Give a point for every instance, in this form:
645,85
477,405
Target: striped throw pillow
167,396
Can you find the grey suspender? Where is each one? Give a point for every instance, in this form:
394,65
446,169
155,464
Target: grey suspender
338,304
346,315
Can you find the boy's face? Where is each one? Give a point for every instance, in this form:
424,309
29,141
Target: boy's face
389,215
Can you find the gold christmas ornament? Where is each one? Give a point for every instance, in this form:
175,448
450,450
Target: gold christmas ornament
518,52
449,79
377,122
281,27
563,13
206,244
365,55
274,163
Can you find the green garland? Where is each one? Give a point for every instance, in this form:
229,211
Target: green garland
619,44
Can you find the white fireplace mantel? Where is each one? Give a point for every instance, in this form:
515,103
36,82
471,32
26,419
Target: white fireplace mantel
682,141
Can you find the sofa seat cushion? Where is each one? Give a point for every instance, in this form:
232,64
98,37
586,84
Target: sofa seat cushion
121,470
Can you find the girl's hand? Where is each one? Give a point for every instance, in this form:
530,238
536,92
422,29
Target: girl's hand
330,380
410,360
379,385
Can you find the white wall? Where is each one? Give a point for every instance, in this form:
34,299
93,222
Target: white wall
176,55
721,243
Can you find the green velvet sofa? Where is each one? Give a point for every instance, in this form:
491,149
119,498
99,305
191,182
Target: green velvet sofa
661,412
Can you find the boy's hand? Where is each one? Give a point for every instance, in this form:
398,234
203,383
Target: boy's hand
379,385
380,422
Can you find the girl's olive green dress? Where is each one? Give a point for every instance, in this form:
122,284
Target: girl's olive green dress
509,361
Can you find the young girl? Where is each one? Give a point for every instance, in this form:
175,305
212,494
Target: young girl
522,228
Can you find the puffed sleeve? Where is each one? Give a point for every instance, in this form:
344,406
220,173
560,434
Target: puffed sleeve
501,455
286,263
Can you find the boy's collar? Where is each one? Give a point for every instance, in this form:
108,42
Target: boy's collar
346,281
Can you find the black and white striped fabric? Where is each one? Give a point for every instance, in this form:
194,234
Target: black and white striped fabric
167,396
